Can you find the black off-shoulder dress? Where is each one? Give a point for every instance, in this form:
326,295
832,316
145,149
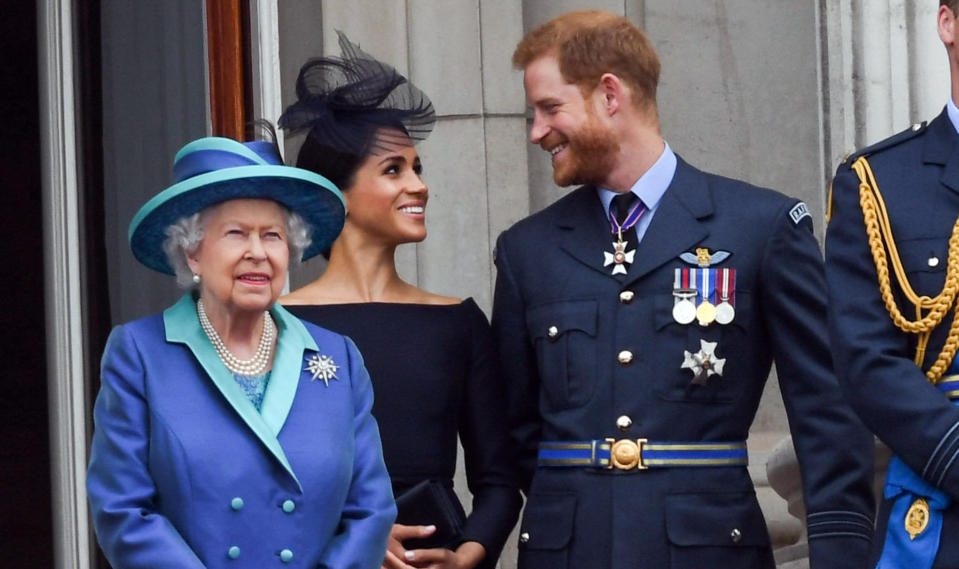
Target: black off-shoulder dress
434,376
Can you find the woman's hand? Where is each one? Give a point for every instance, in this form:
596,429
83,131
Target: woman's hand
395,552
467,556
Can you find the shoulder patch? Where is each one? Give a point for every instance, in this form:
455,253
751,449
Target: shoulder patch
798,212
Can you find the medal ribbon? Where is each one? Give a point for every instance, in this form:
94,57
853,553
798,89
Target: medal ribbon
904,486
727,286
681,281
707,284
636,211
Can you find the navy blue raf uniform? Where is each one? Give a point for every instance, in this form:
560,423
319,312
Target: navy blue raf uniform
896,366
630,418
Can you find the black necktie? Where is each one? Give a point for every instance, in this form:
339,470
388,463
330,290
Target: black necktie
620,209
620,206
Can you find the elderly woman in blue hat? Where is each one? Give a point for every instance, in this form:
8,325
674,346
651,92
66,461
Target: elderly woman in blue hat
228,432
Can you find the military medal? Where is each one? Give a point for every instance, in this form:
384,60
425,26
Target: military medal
321,367
706,311
684,310
620,258
704,363
726,283
917,518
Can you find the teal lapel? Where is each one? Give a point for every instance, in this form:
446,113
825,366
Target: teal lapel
288,365
182,326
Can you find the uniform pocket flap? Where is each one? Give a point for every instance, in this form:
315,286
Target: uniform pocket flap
923,255
548,521
553,320
727,518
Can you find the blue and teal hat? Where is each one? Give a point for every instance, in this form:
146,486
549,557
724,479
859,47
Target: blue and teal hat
213,170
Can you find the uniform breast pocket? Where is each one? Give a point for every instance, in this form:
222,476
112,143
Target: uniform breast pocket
717,530
714,371
925,263
564,336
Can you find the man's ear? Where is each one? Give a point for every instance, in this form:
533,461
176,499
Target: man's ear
612,92
947,26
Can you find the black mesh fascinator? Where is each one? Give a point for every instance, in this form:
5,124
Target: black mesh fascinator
345,103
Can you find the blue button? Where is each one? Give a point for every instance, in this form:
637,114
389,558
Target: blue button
233,552
286,555
289,506
236,503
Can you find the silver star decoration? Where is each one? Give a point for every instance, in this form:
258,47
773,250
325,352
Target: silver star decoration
322,367
620,257
704,363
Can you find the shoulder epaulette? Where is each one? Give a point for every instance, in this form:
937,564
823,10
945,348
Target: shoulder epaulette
908,134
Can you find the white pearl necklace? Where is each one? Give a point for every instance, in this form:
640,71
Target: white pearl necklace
253,367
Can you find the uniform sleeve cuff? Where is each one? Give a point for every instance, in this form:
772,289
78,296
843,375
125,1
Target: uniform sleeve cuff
943,457
839,523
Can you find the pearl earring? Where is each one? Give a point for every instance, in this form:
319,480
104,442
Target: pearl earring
196,278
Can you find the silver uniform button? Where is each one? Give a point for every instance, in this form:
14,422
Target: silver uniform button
933,261
624,422
736,535
916,126
524,537
552,331
626,296
625,357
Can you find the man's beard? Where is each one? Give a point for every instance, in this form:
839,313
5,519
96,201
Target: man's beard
589,157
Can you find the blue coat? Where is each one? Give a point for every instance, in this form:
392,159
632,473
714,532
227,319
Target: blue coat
917,172
561,320
185,473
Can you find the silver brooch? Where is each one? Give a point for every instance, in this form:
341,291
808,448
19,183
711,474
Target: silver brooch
704,363
322,367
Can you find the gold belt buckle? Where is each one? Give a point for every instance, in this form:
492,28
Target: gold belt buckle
626,454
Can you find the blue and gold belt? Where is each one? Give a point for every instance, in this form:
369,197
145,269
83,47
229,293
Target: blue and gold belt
640,454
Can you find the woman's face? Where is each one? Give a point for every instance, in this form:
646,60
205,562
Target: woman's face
243,257
387,200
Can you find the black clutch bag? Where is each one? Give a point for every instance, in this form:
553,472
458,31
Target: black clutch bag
431,503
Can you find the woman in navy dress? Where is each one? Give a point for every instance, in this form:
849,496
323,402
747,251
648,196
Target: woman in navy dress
430,356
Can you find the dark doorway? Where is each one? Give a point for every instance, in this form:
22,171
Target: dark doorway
26,523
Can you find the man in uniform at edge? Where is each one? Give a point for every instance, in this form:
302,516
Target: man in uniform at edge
635,370
892,287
